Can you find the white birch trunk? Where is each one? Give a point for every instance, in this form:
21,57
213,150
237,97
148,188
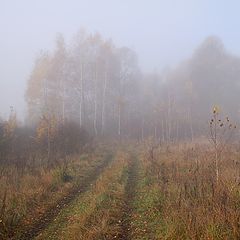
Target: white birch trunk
95,103
119,120
104,103
81,97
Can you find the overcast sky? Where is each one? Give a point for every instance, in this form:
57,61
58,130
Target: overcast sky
161,32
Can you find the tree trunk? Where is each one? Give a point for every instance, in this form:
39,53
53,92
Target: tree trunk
142,130
103,103
63,103
191,124
95,103
81,98
119,120
163,131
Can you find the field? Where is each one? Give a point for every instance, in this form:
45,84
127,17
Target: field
139,191
119,120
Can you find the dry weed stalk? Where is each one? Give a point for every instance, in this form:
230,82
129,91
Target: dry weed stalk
221,133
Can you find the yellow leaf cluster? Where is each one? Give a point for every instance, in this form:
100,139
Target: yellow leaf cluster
47,127
216,109
10,126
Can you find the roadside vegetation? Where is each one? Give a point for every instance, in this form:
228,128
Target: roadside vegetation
108,152
178,196
26,197
97,213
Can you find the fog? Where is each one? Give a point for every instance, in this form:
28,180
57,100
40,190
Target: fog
162,33
119,119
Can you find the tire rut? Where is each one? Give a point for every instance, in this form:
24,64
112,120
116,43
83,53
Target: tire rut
130,191
36,228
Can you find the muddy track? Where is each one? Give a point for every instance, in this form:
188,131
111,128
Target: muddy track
36,228
130,191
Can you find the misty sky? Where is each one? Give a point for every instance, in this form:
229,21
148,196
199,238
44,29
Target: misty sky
161,32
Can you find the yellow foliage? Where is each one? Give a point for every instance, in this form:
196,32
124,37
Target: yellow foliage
216,109
11,125
47,127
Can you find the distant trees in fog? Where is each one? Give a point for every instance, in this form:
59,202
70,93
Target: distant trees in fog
100,87
90,82
91,88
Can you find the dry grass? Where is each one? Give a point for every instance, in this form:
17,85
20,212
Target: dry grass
97,213
101,221
176,196
190,203
25,196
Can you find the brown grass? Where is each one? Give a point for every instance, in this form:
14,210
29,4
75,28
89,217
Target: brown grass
195,205
97,213
26,196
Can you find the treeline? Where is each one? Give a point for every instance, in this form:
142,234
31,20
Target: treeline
100,87
47,144
90,82
92,89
